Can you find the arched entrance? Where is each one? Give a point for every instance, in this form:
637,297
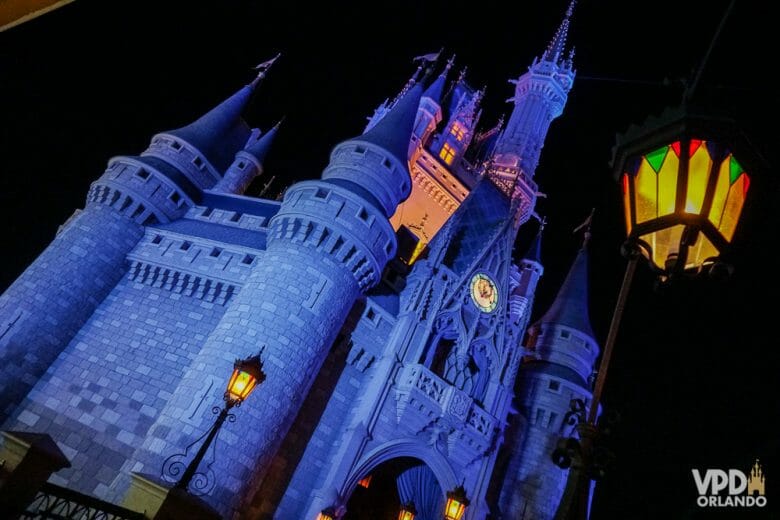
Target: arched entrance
380,494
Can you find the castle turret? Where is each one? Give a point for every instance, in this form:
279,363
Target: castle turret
429,114
44,308
564,355
248,164
327,245
540,95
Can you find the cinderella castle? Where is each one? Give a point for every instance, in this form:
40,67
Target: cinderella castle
384,299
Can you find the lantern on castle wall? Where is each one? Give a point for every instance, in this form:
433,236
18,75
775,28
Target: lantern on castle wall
408,512
327,514
456,505
247,374
684,186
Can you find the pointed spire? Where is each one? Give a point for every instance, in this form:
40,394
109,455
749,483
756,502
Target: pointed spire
436,88
556,47
263,68
534,253
221,132
394,130
570,307
259,148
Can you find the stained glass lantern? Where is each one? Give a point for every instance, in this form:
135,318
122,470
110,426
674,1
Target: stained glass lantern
408,512
247,374
457,502
684,186
327,514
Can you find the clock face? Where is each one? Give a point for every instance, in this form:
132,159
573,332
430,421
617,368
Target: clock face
484,292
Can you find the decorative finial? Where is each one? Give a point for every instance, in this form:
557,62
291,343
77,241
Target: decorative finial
279,123
557,44
542,223
462,75
263,68
586,225
450,63
500,122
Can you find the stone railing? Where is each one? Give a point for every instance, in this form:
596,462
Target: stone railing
443,399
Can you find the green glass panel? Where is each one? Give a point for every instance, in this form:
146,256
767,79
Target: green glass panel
734,170
656,158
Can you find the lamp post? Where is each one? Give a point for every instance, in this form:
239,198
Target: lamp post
683,187
247,374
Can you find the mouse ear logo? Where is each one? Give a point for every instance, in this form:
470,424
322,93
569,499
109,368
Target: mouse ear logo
756,480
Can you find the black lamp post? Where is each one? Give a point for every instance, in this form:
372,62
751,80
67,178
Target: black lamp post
247,374
684,185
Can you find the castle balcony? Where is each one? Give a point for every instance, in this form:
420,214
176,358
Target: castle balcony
426,402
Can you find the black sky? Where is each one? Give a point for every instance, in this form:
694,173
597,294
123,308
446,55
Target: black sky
694,374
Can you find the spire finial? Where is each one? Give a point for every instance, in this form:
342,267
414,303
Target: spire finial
263,68
556,47
450,63
587,225
462,75
279,123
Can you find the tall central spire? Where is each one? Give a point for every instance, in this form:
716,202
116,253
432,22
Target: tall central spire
557,45
540,95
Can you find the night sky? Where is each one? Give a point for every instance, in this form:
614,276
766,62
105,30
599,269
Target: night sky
695,370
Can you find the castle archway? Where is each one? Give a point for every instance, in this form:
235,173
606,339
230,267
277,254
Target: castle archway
398,481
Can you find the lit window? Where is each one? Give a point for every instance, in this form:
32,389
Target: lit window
458,132
447,153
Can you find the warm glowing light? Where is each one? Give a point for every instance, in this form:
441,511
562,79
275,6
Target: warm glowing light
458,132
247,374
447,153
326,515
408,512
456,504
365,482
684,200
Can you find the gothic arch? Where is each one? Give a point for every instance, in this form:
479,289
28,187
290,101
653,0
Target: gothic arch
441,468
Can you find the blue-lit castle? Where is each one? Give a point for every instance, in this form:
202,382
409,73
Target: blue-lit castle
384,300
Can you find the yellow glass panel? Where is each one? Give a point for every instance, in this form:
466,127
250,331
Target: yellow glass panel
733,209
627,201
664,243
645,186
698,172
458,132
721,193
447,153
700,251
667,185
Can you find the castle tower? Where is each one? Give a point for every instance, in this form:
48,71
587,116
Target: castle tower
430,112
565,351
247,164
540,95
46,306
327,244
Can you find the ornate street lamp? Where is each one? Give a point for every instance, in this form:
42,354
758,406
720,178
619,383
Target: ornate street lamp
327,514
684,186
457,502
247,374
408,512
685,178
